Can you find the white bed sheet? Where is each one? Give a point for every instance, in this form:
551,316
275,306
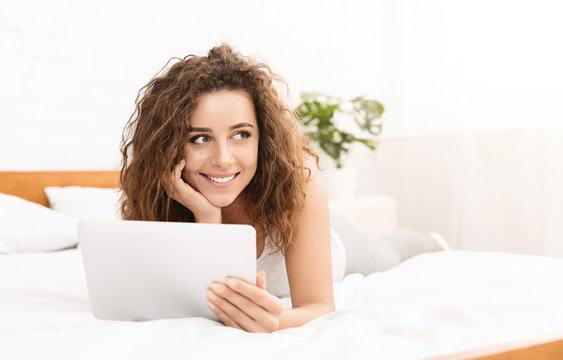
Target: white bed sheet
430,305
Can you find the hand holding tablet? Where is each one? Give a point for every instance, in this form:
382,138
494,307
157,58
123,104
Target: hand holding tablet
246,306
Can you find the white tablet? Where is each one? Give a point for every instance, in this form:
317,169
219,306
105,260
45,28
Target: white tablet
146,270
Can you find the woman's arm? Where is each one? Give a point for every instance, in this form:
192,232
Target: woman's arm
309,269
301,315
308,259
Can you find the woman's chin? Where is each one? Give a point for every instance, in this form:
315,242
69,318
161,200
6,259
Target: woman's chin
220,202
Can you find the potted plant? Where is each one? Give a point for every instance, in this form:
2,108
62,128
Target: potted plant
329,121
335,125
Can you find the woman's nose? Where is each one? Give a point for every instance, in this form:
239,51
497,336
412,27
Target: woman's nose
223,156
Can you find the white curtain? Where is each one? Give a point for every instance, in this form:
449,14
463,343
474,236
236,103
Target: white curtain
497,191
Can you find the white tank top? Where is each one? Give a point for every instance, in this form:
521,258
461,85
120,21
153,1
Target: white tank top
276,274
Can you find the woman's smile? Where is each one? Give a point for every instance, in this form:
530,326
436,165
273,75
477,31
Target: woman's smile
221,181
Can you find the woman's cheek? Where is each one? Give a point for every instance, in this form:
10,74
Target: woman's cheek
195,158
251,155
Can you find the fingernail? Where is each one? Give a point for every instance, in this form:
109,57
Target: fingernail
218,288
231,282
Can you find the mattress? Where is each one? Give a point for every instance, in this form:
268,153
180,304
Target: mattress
430,305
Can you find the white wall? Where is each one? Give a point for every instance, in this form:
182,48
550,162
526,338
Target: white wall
481,65
71,70
464,83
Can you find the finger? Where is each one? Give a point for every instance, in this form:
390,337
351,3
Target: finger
177,172
266,317
223,292
178,168
261,279
170,180
227,321
234,313
256,295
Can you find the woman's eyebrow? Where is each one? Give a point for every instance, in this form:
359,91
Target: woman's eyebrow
237,126
241,125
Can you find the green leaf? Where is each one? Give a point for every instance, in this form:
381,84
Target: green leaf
316,114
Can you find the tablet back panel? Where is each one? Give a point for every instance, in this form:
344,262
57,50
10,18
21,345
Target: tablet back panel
143,270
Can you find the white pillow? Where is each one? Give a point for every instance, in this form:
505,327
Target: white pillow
29,227
85,202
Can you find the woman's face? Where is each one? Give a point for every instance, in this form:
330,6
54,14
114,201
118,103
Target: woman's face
222,150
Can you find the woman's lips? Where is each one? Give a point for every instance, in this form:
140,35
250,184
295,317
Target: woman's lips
221,175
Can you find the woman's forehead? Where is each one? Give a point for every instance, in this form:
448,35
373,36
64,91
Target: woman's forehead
223,108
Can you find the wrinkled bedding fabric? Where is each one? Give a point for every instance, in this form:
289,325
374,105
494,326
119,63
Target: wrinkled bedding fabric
432,304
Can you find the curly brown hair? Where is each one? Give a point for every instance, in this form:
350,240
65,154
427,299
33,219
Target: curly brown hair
157,131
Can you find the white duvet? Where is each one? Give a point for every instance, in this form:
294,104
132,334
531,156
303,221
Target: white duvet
432,304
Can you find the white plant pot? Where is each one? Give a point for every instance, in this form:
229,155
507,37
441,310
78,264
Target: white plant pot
340,184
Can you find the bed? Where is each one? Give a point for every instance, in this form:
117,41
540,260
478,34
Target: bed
446,305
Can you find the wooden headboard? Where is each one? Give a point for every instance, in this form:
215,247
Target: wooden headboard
30,184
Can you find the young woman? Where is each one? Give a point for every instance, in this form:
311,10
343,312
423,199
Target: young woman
211,141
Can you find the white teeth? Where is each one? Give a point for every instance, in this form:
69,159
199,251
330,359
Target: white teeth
221,180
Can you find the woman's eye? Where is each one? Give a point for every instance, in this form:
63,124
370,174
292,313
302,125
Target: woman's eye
199,139
241,135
